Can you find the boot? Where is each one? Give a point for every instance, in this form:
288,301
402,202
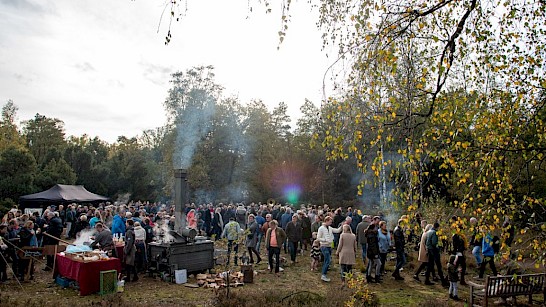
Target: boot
369,279
428,282
397,276
416,277
377,279
463,282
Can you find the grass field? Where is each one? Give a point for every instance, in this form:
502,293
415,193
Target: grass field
296,286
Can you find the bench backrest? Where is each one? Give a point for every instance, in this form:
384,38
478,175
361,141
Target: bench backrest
504,286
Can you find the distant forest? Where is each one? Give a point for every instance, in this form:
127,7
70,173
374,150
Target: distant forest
233,151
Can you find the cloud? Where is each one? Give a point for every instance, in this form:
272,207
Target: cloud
115,83
22,79
28,6
85,67
157,74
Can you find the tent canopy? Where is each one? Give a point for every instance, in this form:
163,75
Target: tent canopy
62,193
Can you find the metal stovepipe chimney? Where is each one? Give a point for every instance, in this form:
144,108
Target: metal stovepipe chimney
180,197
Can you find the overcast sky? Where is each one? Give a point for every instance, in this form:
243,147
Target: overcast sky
102,67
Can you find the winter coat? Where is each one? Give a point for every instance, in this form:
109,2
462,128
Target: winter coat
252,237
118,225
293,231
346,248
487,246
305,228
54,228
129,249
285,219
432,240
458,244
325,235
360,232
315,227
140,233
279,232
399,239
452,274
372,252
384,241
232,231
423,256
192,219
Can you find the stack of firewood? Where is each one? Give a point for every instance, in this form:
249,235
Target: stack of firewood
219,281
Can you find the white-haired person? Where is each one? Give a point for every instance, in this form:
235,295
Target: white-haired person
140,244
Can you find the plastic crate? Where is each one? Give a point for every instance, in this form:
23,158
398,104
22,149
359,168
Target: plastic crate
108,282
63,282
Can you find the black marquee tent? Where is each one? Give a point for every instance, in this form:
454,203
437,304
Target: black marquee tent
60,194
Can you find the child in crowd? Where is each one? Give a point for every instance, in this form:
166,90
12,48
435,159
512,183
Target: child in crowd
315,255
453,277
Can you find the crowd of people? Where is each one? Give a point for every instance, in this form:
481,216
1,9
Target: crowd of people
265,230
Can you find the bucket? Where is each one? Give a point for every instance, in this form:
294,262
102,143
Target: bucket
180,276
121,286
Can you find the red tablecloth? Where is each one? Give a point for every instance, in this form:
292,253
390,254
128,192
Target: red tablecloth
119,251
86,274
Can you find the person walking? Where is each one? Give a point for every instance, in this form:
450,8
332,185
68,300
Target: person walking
231,232
433,253
54,229
453,276
423,257
274,238
488,252
373,254
361,237
459,247
325,236
384,236
130,251
252,238
399,244
346,250
293,233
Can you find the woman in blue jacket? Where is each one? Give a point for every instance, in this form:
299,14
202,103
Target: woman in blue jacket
384,237
118,224
488,254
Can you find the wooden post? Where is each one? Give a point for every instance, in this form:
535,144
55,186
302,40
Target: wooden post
54,261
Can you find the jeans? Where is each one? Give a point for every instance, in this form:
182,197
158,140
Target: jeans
400,260
68,229
276,252
260,236
383,257
371,264
476,251
453,288
364,250
293,248
327,253
434,259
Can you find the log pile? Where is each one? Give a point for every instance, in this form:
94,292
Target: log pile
219,280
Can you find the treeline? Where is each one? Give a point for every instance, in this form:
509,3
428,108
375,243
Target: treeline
237,152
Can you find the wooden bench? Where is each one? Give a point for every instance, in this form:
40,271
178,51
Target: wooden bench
508,286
